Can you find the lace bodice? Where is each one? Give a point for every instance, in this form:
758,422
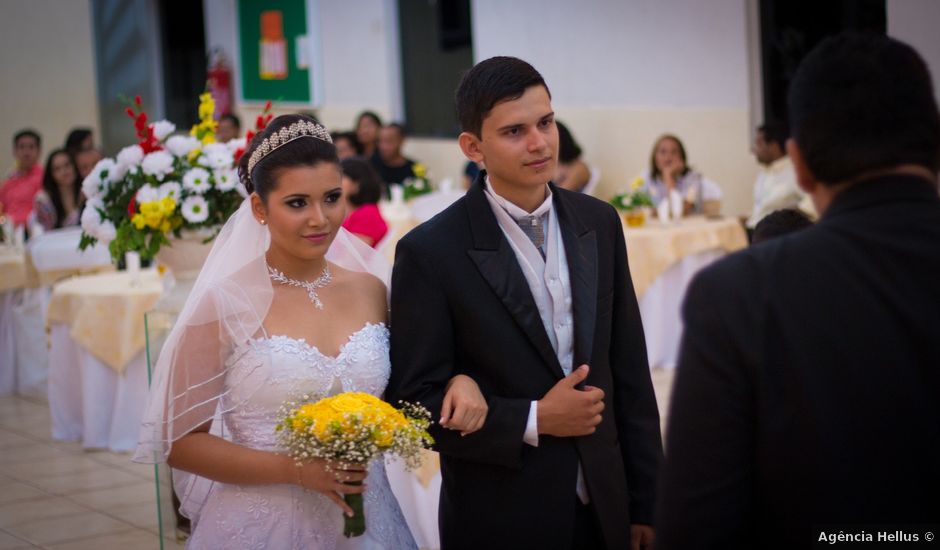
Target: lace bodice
268,371
261,375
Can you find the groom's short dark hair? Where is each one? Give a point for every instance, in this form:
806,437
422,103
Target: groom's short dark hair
863,102
489,82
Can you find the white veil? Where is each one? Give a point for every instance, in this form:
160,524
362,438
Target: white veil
191,383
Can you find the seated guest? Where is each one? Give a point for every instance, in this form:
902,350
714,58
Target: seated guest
58,204
368,125
79,139
347,146
776,187
669,171
229,128
470,171
20,188
805,408
779,223
85,161
572,173
393,167
362,190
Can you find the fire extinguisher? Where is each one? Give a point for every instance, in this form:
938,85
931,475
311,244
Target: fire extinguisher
219,82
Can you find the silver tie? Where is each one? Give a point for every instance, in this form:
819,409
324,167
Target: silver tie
532,227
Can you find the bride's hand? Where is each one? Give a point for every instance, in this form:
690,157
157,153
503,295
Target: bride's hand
464,406
331,480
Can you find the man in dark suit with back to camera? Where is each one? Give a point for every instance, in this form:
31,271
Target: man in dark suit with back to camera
525,288
807,401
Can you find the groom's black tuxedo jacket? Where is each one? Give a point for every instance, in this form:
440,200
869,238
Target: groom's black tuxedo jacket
461,304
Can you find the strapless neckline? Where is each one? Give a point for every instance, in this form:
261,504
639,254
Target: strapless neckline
314,349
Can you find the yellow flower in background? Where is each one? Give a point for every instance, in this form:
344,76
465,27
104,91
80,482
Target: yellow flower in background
206,106
207,126
419,170
138,221
636,183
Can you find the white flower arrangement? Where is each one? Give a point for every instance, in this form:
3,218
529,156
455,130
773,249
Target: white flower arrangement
171,189
162,129
197,181
195,209
161,186
182,146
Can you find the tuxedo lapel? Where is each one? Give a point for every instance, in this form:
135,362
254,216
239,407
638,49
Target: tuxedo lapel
497,264
581,253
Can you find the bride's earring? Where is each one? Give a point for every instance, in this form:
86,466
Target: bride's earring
263,222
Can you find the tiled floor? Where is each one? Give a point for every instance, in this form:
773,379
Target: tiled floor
58,496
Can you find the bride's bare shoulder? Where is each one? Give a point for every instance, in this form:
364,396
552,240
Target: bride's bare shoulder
358,282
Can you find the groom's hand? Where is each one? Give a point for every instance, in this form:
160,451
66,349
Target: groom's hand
566,411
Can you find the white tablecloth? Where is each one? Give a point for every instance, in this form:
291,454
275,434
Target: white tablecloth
89,401
660,307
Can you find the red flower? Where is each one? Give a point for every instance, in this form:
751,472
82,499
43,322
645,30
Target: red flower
132,206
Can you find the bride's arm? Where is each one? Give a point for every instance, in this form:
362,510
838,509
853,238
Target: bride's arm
212,457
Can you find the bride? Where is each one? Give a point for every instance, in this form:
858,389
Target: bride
286,304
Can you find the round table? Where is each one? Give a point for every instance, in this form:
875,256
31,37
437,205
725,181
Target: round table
663,260
97,366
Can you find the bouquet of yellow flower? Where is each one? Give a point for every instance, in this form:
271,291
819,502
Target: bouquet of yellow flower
353,428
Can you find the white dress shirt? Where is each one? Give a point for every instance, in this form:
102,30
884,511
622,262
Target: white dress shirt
776,189
550,284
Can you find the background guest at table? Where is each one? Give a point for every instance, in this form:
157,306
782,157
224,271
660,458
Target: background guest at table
806,396
779,223
362,190
19,189
572,173
470,171
669,170
393,167
776,187
59,202
230,127
368,125
347,146
79,139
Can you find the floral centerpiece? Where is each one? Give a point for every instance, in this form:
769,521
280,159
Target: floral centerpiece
353,428
163,186
633,203
418,184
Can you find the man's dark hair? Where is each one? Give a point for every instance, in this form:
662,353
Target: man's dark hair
28,132
350,137
489,82
75,139
776,131
233,119
365,176
779,223
398,126
568,148
862,102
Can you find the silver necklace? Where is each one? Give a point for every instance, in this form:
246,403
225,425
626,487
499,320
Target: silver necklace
310,286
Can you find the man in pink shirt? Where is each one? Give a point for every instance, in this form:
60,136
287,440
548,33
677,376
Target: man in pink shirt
19,190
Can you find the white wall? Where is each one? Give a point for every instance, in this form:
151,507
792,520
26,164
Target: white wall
47,72
916,22
618,79
623,72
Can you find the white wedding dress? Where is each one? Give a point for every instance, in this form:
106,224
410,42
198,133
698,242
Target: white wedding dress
288,516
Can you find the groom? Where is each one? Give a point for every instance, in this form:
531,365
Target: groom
525,288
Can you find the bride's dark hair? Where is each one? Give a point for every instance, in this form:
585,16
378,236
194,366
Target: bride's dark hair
306,151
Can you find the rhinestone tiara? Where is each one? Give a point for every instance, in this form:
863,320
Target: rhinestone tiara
287,134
